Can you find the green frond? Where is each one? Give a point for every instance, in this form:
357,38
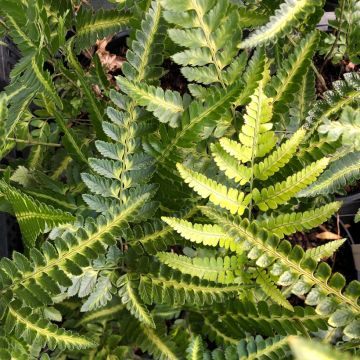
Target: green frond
289,223
171,287
145,55
347,128
228,198
340,173
223,270
324,251
344,92
284,86
154,342
167,105
256,135
209,31
91,26
95,107
255,348
269,287
195,351
279,158
229,164
129,296
206,234
36,330
280,193
196,122
37,280
246,317
304,349
33,217
286,17
291,267
234,149
304,99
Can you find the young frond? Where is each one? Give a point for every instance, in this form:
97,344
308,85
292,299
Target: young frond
223,270
273,196
228,198
286,17
340,173
170,287
34,217
289,223
278,158
205,234
256,135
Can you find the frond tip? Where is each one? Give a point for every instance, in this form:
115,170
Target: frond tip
286,17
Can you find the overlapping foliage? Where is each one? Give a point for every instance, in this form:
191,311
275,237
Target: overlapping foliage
159,217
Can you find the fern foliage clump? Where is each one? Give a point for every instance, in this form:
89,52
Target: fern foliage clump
169,164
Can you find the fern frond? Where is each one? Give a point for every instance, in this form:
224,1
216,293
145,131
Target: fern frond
144,56
283,87
345,92
171,287
289,223
91,27
195,351
130,297
206,234
228,198
107,313
37,279
256,135
229,164
347,128
256,348
301,272
39,331
274,196
222,270
154,342
271,290
210,32
33,217
286,17
279,158
324,251
167,105
340,173
244,317
195,124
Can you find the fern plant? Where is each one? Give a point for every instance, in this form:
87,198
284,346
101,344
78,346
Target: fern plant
250,163
158,216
